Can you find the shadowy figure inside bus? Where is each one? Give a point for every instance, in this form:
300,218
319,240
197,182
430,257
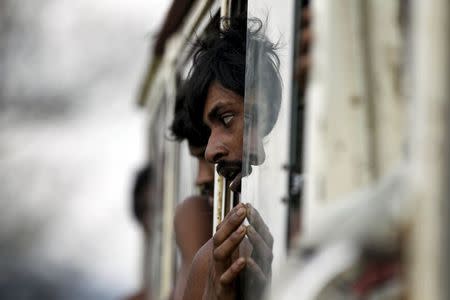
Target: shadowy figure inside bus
141,207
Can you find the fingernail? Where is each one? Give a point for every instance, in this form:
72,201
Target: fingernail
241,229
241,261
240,212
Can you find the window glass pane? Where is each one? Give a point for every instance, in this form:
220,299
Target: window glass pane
267,119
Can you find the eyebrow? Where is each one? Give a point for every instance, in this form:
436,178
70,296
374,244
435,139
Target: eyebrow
215,111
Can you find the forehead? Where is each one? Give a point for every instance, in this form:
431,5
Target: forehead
217,97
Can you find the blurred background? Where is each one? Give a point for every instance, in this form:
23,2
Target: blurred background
71,139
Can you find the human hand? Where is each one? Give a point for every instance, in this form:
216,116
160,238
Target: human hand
259,257
253,266
224,270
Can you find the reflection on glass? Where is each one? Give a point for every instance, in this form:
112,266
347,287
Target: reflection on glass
266,131
263,94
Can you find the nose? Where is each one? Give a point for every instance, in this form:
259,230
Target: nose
215,150
256,154
205,172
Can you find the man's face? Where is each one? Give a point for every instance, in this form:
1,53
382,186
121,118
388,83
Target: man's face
205,174
224,115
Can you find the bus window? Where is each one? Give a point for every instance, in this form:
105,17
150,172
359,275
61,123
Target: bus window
267,120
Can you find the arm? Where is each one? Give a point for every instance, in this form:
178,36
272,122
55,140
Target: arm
198,273
213,274
193,224
215,270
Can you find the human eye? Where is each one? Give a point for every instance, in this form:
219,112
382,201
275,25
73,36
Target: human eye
226,119
248,116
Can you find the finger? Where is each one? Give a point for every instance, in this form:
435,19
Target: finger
254,218
256,272
225,250
231,233
230,224
261,249
245,247
232,272
229,215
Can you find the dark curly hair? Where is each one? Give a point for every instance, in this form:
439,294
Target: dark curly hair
221,56
182,126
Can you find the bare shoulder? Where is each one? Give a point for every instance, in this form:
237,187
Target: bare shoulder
192,207
193,225
192,214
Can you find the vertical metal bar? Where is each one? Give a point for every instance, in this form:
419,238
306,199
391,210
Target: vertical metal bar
219,199
225,12
170,191
220,206
430,149
296,132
